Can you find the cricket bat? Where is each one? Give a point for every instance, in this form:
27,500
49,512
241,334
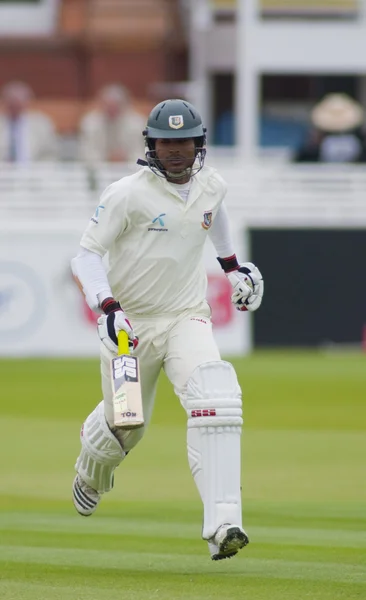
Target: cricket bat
126,387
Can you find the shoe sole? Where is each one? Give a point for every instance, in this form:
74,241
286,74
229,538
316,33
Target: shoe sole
234,540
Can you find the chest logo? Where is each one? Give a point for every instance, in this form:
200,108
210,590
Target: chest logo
207,219
176,121
160,219
159,223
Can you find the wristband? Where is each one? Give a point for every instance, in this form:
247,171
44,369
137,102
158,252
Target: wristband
110,305
229,264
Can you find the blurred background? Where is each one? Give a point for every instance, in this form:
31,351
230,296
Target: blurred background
281,85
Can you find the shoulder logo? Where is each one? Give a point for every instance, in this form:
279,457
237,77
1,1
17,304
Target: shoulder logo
207,219
159,223
95,217
176,121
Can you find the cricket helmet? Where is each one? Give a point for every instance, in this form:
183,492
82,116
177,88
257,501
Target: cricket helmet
174,119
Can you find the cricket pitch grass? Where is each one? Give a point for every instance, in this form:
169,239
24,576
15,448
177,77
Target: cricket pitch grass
304,489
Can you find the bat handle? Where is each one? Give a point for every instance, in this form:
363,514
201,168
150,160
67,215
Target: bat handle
123,347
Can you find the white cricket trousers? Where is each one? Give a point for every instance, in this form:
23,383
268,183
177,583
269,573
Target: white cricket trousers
176,343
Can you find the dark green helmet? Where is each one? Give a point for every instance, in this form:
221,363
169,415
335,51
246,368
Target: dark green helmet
174,119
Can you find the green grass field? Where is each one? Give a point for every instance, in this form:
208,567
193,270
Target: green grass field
304,489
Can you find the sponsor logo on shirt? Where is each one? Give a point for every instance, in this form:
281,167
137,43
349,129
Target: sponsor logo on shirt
207,220
95,217
199,320
159,223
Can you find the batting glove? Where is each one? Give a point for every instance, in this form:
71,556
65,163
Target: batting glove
247,282
111,323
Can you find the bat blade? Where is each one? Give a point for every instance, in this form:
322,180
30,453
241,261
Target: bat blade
127,399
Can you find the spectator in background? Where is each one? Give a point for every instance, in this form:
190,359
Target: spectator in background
113,131
337,135
25,135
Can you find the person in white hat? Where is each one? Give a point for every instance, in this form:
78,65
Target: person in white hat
338,121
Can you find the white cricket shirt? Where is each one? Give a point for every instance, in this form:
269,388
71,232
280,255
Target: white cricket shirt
155,239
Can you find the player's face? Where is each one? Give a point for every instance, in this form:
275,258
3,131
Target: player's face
175,155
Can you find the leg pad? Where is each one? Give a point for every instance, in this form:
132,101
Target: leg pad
214,408
100,453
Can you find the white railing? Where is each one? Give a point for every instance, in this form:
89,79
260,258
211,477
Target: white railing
270,195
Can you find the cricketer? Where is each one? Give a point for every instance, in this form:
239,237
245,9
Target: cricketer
153,225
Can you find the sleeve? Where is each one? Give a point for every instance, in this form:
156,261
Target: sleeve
108,222
89,269
220,233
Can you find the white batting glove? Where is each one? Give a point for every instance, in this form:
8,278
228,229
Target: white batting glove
248,285
111,323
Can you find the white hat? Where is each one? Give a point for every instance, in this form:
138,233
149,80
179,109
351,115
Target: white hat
337,112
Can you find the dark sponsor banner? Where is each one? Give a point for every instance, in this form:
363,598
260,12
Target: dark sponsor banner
315,286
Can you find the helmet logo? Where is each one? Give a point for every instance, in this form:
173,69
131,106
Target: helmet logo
176,121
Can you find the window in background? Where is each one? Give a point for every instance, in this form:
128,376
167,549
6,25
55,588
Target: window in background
286,103
223,109
288,99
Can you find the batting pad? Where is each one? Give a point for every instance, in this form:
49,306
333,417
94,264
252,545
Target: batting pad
100,452
214,408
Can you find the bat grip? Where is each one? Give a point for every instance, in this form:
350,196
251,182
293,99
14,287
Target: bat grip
123,347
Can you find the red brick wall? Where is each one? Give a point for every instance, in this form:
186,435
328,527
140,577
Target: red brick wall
55,69
135,70
50,72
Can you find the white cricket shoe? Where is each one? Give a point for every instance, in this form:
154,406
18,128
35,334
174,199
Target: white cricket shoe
85,499
226,542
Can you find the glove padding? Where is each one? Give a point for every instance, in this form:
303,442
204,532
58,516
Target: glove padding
247,282
110,325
